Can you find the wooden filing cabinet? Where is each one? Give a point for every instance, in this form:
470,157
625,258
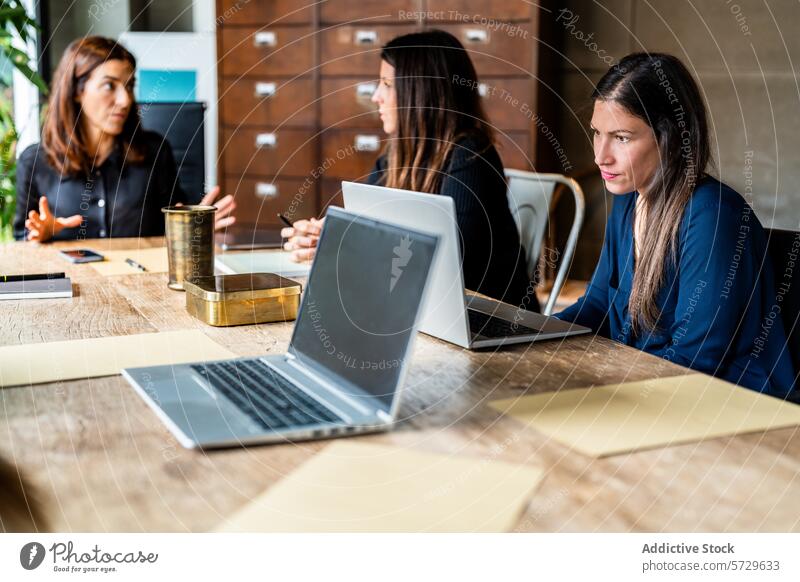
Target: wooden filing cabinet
366,12
279,52
263,12
296,80
280,102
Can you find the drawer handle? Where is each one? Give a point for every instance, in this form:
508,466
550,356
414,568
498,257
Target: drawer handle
364,90
266,140
265,38
366,37
367,143
266,190
476,35
266,89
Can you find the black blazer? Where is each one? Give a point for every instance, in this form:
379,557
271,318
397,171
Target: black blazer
117,199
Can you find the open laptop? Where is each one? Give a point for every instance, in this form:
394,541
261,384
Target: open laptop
347,358
450,314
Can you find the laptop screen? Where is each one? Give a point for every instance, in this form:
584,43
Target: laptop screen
362,300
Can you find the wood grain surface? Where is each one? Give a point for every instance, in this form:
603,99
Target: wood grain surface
94,457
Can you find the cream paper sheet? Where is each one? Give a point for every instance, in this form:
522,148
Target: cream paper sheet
619,418
357,487
106,356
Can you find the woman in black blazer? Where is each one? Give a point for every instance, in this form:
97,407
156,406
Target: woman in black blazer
442,143
96,173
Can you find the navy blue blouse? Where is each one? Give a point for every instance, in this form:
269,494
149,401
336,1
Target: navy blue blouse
720,313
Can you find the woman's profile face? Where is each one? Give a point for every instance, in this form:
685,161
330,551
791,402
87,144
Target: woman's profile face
625,148
107,96
386,98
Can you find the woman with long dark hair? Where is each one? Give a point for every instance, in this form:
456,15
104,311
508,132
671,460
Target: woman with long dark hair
441,143
684,272
96,172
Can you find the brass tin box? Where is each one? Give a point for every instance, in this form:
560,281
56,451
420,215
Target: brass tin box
242,299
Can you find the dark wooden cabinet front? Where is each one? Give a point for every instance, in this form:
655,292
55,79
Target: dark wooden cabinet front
296,78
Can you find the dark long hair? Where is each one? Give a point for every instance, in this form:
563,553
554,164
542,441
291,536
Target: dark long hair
659,89
437,103
63,138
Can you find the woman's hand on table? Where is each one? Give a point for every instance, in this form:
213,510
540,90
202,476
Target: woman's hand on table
302,238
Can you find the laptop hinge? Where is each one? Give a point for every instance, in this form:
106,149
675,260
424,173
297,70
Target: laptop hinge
292,361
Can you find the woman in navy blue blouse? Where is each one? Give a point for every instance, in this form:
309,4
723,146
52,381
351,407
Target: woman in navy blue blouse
684,272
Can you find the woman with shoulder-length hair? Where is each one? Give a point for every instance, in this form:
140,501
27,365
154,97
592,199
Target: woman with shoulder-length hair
96,172
684,272
441,143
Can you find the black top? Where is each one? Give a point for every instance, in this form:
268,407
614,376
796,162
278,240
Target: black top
117,199
493,259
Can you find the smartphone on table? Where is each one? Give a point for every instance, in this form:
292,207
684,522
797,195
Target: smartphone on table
82,256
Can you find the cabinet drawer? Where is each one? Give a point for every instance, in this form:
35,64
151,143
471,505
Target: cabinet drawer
286,152
477,10
515,150
330,195
388,10
496,53
509,103
346,103
268,102
259,200
261,11
278,50
350,154
356,50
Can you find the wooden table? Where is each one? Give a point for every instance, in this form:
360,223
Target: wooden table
100,460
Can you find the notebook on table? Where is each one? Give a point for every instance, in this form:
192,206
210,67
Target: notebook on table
36,289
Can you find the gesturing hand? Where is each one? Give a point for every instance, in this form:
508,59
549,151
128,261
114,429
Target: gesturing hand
43,225
225,206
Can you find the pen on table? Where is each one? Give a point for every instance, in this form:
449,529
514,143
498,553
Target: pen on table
31,277
135,265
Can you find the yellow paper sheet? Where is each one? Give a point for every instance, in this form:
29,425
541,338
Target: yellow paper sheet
620,418
89,358
356,487
154,260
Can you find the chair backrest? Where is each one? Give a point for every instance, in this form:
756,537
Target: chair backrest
182,125
784,250
529,198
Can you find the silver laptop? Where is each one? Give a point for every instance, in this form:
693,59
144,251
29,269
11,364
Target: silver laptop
347,358
450,313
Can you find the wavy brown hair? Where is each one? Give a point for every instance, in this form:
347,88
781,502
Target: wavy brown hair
63,137
437,104
659,89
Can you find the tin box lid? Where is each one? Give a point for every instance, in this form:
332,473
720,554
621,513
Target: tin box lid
241,287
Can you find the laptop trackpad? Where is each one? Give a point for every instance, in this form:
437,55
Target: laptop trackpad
200,412
207,421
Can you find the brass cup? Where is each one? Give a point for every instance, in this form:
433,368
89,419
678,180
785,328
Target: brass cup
190,242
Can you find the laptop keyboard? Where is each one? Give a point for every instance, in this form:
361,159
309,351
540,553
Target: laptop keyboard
264,395
495,327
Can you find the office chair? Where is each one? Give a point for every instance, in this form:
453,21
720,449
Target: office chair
529,198
784,250
182,125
